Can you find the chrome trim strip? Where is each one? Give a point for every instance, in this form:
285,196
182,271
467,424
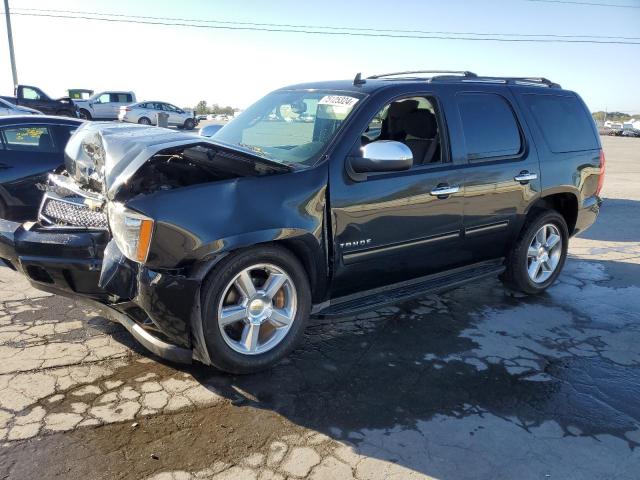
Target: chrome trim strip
485,228
352,257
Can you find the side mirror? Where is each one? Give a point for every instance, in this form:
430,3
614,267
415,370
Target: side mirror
382,156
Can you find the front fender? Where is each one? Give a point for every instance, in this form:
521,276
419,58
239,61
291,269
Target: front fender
193,224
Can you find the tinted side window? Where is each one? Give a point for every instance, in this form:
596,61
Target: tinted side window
565,125
490,127
28,139
30,93
64,132
120,98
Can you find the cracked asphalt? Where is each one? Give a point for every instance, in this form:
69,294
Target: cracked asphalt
471,384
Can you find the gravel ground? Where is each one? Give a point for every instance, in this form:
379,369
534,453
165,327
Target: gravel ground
470,384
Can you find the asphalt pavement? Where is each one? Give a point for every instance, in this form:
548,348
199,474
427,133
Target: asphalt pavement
471,384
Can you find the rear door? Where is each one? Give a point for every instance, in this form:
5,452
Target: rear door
29,153
118,100
502,175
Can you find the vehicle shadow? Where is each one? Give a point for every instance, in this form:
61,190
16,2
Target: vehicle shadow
622,213
397,369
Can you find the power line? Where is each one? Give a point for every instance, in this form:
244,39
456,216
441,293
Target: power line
614,5
317,27
495,38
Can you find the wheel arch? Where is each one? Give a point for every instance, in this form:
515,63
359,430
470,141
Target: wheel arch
305,248
564,202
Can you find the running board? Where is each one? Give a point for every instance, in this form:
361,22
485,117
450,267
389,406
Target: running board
372,299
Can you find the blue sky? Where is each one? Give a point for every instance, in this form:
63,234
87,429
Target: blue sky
184,65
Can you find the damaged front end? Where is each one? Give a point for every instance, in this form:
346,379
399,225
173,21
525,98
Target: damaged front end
89,242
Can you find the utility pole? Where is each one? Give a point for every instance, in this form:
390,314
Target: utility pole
10,35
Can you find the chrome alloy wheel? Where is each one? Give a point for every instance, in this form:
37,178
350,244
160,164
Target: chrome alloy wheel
257,309
544,253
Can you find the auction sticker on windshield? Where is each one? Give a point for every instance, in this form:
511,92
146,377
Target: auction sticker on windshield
338,101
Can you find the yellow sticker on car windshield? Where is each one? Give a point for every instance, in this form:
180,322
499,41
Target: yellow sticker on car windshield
338,101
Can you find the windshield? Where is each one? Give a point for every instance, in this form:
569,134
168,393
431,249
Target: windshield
289,127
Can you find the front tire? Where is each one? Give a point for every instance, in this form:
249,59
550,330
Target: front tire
189,124
255,307
84,114
539,254
144,121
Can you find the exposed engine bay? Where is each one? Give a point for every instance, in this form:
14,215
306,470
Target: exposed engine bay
184,166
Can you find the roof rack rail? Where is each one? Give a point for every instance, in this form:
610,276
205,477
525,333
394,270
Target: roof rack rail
544,81
412,72
537,81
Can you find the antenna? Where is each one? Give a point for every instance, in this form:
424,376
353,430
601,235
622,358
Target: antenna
358,80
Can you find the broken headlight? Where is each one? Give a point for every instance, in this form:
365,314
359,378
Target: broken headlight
131,230
85,157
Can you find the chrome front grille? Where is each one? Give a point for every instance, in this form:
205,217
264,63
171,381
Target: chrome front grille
69,213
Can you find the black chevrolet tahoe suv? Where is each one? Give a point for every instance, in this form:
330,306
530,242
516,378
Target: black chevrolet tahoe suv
321,199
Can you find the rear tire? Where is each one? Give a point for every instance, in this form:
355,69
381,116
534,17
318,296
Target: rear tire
276,317
144,121
539,254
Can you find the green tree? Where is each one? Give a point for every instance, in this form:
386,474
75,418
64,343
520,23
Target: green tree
201,108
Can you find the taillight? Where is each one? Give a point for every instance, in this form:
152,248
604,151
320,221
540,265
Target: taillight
602,170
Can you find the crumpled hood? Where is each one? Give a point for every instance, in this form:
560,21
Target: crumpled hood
104,155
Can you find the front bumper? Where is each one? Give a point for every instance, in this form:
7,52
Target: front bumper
156,307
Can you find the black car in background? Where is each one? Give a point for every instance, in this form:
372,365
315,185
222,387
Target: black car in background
33,97
30,148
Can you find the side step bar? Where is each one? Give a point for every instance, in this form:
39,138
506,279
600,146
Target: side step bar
362,302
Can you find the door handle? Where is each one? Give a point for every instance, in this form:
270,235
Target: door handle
525,177
443,191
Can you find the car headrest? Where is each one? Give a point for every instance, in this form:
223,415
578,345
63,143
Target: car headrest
397,110
420,124
45,142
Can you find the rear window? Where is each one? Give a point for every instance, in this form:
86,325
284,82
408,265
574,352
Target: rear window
490,127
565,124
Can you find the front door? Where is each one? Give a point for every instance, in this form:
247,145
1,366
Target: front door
33,97
393,227
102,107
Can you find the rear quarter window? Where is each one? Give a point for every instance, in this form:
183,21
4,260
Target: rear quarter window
489,125
565,124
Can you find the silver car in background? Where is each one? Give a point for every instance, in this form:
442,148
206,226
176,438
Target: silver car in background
146,113
8,108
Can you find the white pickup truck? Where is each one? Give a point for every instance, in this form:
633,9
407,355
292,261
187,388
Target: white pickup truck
104,105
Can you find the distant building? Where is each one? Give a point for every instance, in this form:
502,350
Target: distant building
633,124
